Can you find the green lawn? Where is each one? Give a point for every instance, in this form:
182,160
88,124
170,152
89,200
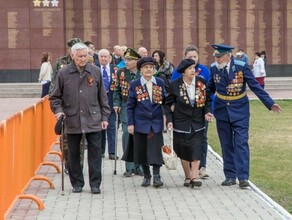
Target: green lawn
270,141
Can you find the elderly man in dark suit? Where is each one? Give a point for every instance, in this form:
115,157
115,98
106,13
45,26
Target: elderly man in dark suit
109,77
79,94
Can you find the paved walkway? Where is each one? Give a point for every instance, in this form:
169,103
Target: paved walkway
124,198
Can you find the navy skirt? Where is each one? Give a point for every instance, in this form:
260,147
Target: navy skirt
188,146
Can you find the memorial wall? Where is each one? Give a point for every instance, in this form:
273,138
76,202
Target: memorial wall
30,27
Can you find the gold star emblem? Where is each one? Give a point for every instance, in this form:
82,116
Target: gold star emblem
37,3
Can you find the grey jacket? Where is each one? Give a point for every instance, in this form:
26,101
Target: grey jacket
82,97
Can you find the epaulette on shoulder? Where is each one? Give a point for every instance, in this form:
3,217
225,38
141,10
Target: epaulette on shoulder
213,64
239,62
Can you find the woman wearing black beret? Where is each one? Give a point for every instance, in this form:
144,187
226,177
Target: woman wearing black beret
187,107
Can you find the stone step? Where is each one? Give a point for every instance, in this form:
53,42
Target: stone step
20,90
278,83
33,90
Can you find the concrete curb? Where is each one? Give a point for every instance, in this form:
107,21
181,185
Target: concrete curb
283,212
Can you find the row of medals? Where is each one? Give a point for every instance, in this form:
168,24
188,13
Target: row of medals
235,86
142,94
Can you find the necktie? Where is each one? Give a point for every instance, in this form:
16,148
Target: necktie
225,73
105,78
133,76
149,88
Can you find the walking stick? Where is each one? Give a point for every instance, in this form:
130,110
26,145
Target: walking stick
116,142
62,161
59,130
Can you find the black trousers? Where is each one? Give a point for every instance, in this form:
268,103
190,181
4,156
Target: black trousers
94,159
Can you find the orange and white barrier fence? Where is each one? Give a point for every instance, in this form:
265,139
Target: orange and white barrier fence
26,139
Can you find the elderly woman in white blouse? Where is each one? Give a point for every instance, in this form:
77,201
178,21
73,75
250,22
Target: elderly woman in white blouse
187,119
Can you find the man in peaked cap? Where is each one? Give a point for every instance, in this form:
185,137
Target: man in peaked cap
231,110
221,49
61,62
124,77
131,54
73,41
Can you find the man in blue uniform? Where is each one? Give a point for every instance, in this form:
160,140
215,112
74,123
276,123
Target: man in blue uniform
231,110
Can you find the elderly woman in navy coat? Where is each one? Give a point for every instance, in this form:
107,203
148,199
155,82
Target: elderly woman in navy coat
187,107
145,120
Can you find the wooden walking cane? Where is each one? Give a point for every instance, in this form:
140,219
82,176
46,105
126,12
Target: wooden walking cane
62,161
116,142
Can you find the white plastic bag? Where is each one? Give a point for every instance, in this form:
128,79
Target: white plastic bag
168,154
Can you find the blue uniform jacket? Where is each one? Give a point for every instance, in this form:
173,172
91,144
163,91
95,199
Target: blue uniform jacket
239,75
142,113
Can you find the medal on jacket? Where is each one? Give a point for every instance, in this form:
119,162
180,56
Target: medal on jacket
90,80
157,94
200,94
183,93
142,93
114,79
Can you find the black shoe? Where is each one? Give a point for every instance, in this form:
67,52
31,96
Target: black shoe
187,182
146,181
128,173
95,190
157,181
195,183
139,173
243,184
228,182
77,189
112,157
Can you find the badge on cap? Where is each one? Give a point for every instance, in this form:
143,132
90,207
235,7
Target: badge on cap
221,49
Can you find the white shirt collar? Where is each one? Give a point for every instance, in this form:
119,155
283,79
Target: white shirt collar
143,80
192,84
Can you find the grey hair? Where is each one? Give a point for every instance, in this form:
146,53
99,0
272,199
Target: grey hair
106,51
78,46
